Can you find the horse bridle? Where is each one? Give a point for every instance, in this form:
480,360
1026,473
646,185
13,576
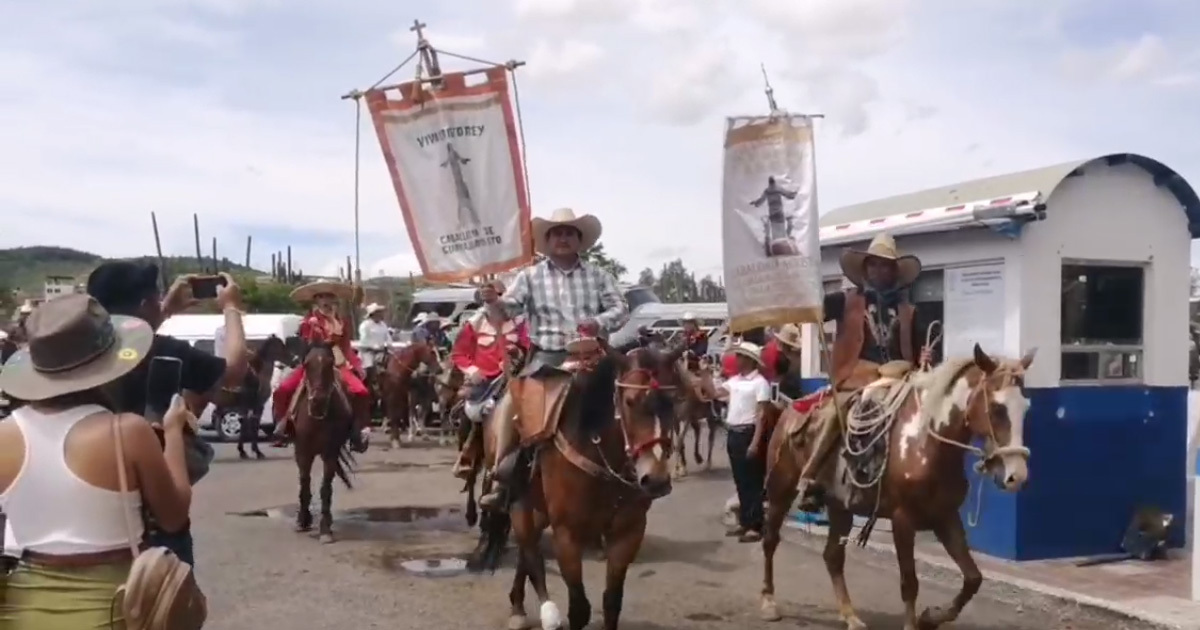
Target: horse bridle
632,450
992,450
325,395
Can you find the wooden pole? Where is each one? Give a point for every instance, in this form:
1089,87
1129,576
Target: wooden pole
163,273
196,231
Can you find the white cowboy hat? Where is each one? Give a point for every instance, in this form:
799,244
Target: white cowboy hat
749,350
882,246
27,307
688,317
789,335
373,308
420,318
306,293
589,228
432,316
447,324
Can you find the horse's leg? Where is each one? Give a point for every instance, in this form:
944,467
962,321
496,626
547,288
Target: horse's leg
622,550
516,596
954,539
255,421
841,521
529,539
712,438
568,550
780,494
328,468
694,422
397,409
904,536
681,448
304,462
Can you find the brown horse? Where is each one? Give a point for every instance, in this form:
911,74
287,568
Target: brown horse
324,423
608,462
254,392
693,406
403,378
933,419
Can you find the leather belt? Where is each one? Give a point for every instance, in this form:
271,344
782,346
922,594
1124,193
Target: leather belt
77,560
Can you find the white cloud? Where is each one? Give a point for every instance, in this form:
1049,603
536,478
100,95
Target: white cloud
1147,59
549,61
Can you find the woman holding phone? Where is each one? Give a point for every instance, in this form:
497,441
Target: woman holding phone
62,444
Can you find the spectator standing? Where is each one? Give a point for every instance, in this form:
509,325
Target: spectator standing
59,474
748,394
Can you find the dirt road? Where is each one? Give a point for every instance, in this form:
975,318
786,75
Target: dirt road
256,571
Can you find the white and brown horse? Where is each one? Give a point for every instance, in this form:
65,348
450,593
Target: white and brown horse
922,483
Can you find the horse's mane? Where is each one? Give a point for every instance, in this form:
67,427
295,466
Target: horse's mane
935,386
589,404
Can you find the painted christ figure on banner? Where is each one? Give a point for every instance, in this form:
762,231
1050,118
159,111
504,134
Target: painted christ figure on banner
777,227
466,210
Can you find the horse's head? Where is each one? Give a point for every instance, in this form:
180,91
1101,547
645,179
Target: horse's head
319,369
424,355
646,403
996,413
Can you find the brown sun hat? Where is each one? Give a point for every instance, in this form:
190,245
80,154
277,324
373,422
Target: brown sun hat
74,345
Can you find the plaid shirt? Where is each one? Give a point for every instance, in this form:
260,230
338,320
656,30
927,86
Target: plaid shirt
555,301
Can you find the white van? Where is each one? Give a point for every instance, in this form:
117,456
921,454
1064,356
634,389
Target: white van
200,331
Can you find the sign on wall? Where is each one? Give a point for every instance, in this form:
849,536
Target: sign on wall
455,163
770,233
974,310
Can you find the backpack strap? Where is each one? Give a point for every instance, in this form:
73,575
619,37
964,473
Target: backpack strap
123,482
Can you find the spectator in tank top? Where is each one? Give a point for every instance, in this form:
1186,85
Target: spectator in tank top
59,479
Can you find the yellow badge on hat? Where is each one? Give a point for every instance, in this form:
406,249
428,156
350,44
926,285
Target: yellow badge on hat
127,354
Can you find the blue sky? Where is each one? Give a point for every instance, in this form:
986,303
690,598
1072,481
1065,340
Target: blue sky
230,108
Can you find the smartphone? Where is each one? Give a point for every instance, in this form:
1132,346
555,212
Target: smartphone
205,287
163,382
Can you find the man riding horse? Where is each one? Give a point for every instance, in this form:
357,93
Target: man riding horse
486,344
695,340
567,302
324,325
874,337
374,337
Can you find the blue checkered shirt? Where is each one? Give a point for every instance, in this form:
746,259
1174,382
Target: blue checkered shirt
555,301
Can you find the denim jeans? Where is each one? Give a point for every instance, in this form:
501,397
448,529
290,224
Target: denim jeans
748,477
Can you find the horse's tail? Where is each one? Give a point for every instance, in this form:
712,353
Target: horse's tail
338,453
494,528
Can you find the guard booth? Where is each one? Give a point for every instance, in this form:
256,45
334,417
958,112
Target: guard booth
1088,262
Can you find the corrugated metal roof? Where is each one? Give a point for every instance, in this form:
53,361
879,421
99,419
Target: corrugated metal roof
1043,180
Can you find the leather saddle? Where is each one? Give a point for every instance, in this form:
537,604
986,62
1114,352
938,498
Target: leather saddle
540,401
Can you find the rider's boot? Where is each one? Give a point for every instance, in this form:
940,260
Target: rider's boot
812,495
506,455
360,436
466,463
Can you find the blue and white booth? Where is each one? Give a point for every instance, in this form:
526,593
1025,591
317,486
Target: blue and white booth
1088,262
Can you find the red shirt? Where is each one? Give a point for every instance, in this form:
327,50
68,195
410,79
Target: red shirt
329,329
770,358
480,347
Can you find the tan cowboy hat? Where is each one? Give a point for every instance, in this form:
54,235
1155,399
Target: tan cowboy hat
789,335
589,227
307,292
749,350
882,246
688,317
74,345
373,308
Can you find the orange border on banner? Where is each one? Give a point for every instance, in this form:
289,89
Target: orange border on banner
416,95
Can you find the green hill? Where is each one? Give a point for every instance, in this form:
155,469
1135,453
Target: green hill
26,268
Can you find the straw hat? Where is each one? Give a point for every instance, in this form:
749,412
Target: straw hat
882,246
74,345
789,335
749,350
589,228
373,308
307,292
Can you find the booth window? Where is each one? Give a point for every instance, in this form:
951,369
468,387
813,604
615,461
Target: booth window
1102,308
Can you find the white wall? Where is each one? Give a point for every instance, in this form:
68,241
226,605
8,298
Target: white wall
1110,213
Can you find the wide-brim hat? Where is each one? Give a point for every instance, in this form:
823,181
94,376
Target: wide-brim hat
882,246
749,350
589,228
688,317
373,308
420,318
446,323
74,345
789,335
306,293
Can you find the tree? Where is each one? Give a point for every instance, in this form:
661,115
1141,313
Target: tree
646,278
267,297
597,256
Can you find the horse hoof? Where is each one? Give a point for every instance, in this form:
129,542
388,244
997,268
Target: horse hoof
854,623
550,616
932,617
326,539
395,445
769,611
302,528
517,622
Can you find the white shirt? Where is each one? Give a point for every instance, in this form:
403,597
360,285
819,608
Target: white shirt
219,342
745,394
372,335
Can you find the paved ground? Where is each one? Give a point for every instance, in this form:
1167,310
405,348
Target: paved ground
257,571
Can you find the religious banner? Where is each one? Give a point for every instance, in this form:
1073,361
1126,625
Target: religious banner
770,234
455,162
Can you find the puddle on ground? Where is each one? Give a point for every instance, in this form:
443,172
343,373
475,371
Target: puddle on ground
435,567
390,467
378,522
703,617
